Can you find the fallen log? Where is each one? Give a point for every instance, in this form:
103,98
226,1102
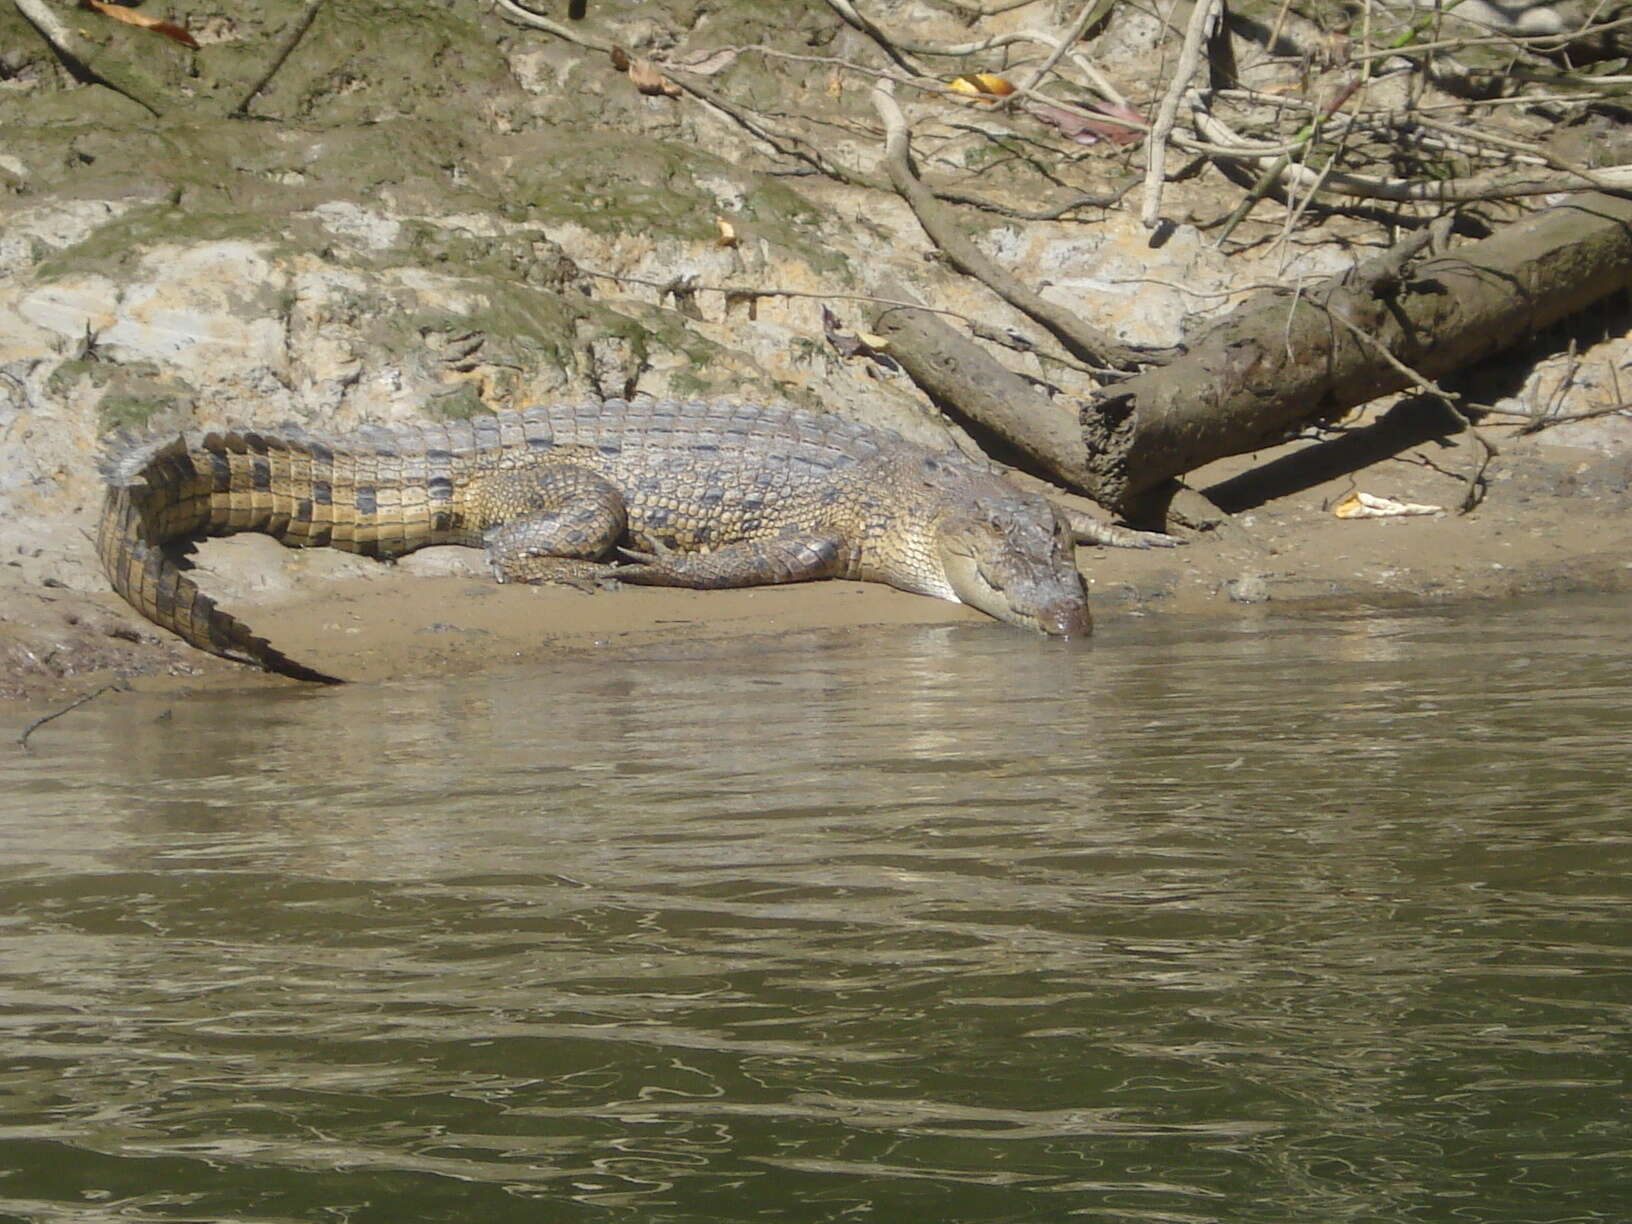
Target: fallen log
965,381
1284,358
1287,358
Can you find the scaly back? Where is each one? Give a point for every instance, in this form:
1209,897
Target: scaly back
384,492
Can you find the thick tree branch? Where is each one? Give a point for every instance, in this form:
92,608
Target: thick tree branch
1082,340
971,385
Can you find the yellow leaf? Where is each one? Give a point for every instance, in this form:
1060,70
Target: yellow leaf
728,232
983,85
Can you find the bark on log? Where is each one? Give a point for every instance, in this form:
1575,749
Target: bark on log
966,381
1284,359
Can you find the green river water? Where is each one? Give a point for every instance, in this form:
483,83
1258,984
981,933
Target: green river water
1292,919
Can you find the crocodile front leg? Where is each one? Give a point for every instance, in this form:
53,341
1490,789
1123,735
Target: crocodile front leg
548,524
1086,529
788,558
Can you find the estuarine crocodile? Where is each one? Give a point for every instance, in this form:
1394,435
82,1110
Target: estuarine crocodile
696,494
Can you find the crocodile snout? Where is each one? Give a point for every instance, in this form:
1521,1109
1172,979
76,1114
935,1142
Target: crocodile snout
1066,618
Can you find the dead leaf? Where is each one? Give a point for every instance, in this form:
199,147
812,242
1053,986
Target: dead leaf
643,74
728,232
1083,130
743,297
861,344
684,291
130,17
982,85
1365,505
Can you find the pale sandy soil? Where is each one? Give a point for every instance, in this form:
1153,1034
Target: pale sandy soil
1556,519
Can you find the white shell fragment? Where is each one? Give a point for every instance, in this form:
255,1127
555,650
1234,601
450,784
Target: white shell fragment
1364,505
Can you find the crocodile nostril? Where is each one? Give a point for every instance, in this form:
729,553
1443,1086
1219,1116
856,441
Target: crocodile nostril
1067,618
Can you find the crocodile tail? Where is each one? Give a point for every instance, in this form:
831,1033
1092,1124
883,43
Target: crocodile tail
147,504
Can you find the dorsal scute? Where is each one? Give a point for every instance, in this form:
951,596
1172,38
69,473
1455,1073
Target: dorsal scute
820,439
127,456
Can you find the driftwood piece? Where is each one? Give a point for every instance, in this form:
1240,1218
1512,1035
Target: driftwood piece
980,392
1286,358
1036,433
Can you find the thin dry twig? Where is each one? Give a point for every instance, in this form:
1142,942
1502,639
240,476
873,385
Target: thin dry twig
1556,400
1091,12
298,32
76,57
1473,492
985,10
1543,43
1080,339
800,150
1503,183
22,740
1529,423
1195,40
734,294
894,41
783,143
540,22
1105,199
737,293
890,46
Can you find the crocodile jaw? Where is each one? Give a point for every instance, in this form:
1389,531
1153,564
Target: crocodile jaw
1026,577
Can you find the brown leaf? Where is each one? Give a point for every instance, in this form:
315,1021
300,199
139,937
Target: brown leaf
1088,131
728,233
743,297
130,17
645,77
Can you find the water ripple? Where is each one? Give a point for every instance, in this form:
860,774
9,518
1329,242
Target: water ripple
1323,920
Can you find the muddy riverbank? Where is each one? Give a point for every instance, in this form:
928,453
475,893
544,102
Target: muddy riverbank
434,213
1556,520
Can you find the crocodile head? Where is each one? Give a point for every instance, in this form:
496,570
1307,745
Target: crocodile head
1013,559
